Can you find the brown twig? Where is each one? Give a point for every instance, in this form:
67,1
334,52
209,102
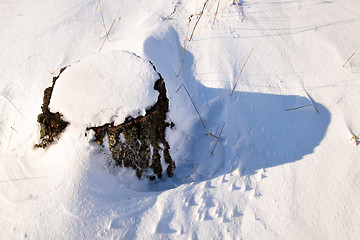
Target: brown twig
183,60
348,59
212,153
210,134
291,109
217,8
15,108
168,16
312,104
241,72
355,139
210,7
109,32
182,85
12,130
103,21
112,24
199,17
182,9
197,172
222,12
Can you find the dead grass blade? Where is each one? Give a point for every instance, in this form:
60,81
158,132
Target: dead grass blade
15,108
182,85
103,21
241,72
212,153
348,59
198,19
217,9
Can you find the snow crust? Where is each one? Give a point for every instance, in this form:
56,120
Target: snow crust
274,174
104,88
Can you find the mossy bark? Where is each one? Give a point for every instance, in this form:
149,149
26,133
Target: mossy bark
140,142
51,124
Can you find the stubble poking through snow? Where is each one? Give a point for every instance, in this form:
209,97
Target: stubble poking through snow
104,88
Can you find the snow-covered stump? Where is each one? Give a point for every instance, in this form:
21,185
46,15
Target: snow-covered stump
122,98
140,142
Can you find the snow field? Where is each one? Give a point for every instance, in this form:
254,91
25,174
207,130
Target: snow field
275,174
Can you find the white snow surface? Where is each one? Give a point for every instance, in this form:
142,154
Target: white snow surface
104,88
274,174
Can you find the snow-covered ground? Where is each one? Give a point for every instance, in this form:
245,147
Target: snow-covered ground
274,174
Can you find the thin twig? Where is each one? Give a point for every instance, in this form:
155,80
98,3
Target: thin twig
212,153
241,72
112,24
12,131
183,60
349,59
310,99
182,85
191,178
291,109
181,9
103,21
226,5
355,138
201,13
210,7
168,16
217,8
210,134
357,70
15,108
21,179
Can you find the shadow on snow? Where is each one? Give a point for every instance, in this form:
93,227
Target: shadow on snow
259,133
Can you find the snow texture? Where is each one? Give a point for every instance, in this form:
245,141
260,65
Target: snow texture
274,174
104,88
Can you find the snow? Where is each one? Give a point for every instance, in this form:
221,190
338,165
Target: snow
127,81
274,174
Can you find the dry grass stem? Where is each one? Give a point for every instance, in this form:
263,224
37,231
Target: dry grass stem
241,72
212,153
291,109
103,21
222,12
183,60
355,139
210,7
177,15
211,134
311,101
168,16
309,105
348,59
198,19
112,24
15,108
197,172
182,85
12,131
217,9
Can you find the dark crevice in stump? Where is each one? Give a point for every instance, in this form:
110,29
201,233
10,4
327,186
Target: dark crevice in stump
140,142
51,124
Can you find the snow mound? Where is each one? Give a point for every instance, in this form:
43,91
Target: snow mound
103,88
